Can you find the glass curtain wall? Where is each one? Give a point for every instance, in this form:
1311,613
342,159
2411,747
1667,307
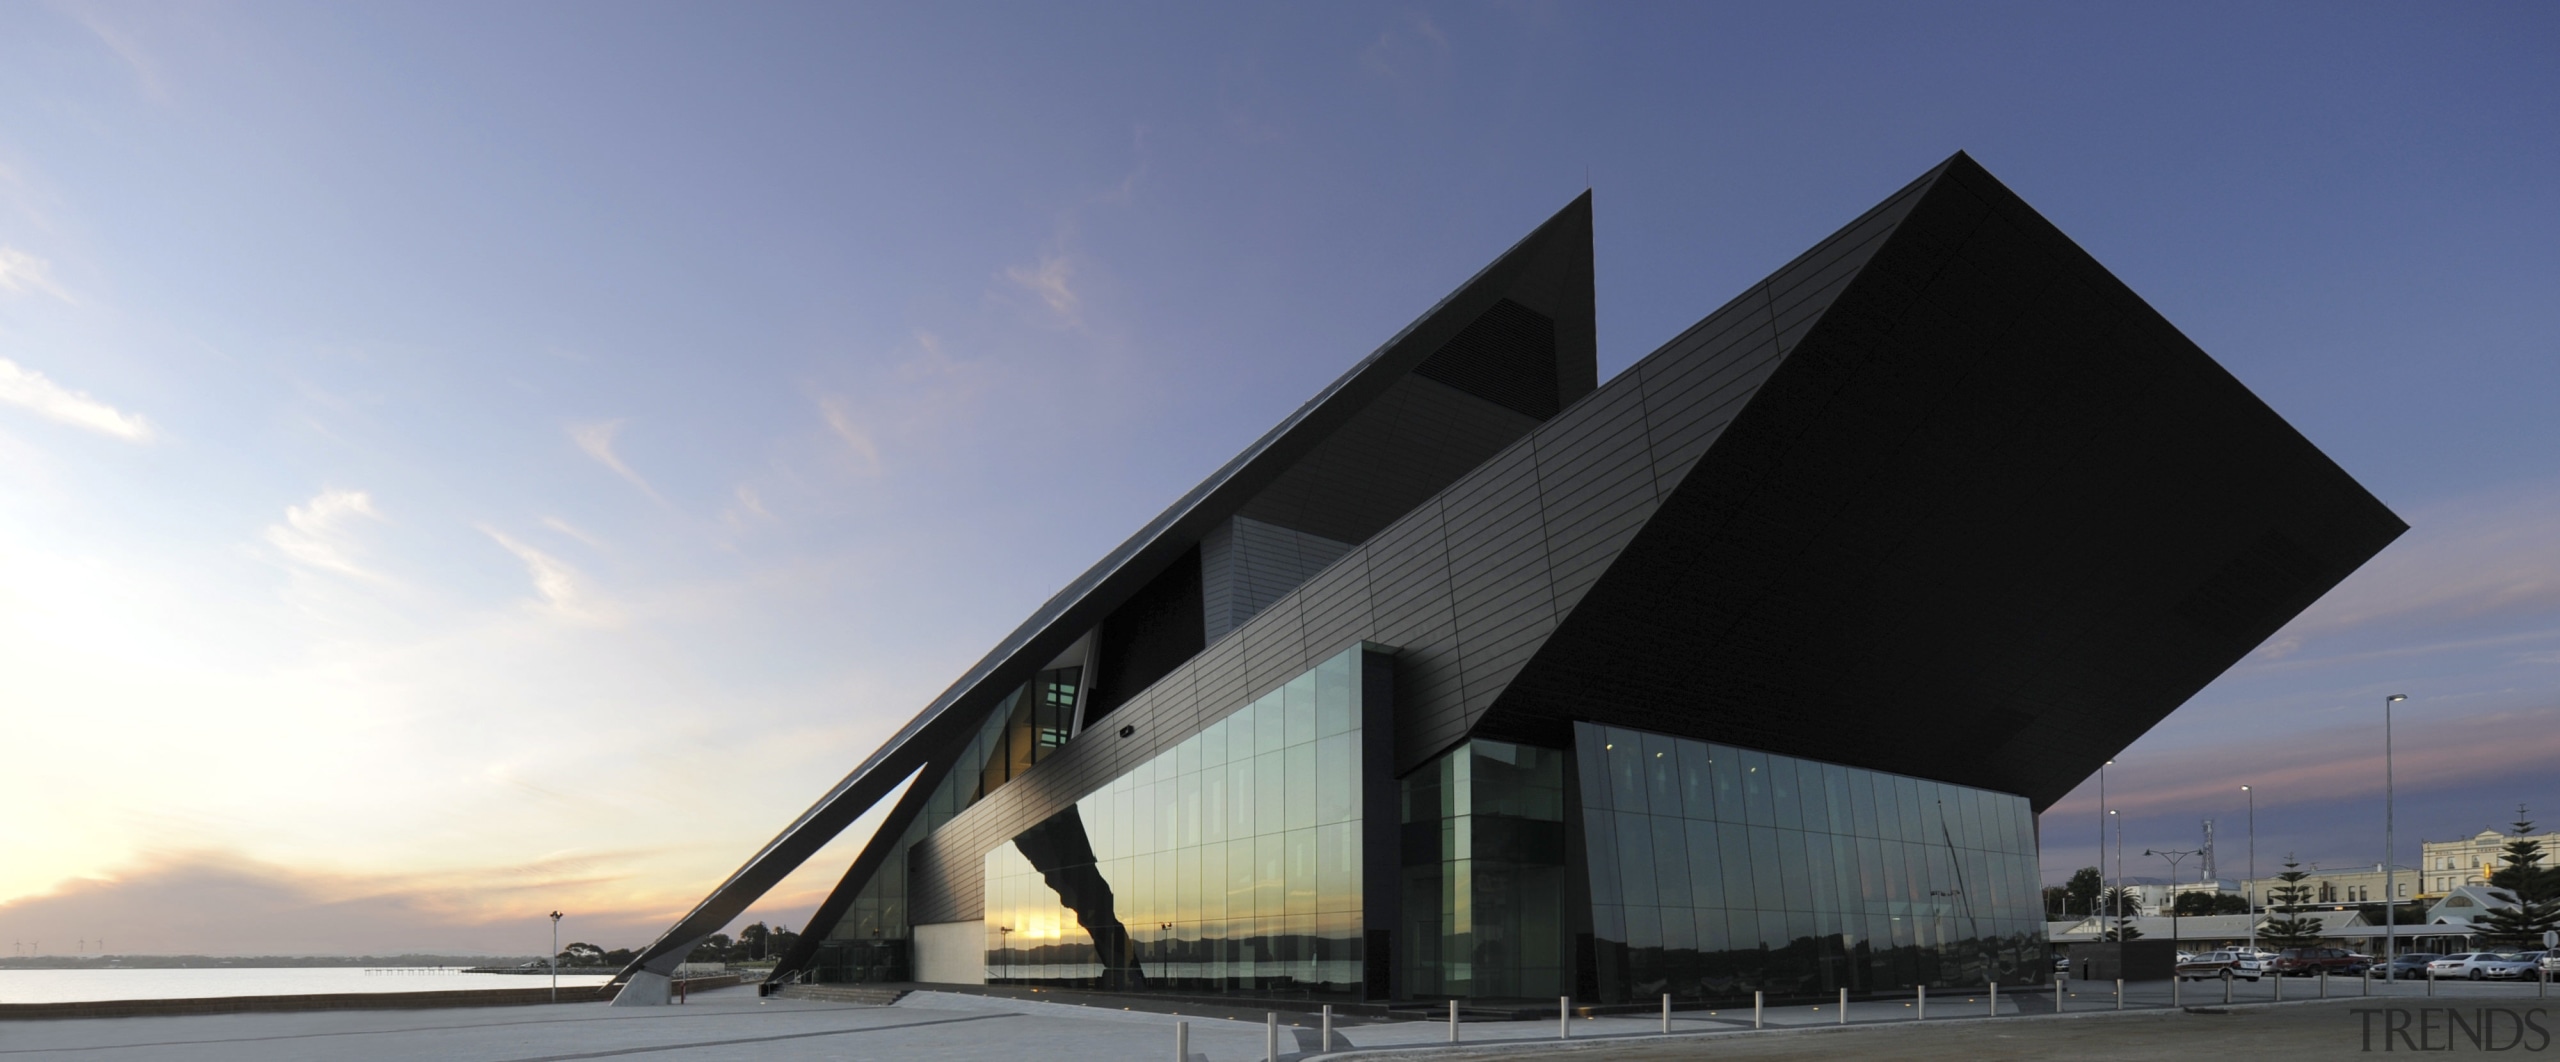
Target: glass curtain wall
1228,863
1716,870
870,942
1484,874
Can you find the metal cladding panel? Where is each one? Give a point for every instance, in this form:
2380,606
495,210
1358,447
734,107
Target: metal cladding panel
1990,521
1336,605
1273,645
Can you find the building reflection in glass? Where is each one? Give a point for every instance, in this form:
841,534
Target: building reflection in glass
1231,862
1716,871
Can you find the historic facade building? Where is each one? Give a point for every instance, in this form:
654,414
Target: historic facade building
1479,677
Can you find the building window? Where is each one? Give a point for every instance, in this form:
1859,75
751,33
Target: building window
1717,870
1042,713
1230,862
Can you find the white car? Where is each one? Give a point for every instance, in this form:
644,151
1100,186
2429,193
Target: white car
2222,964
2480,966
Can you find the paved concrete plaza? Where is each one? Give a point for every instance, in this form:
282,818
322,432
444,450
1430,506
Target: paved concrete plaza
733,1024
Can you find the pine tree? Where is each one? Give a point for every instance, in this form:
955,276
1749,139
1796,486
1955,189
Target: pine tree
2289,929
2531,890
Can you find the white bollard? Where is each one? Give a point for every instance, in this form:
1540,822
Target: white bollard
1995,999
1453,1021
2119,993
1182,1041
1844,1006
1327,1033
1270,1037
1922,1012
1564,1017
1666,1012
1755,1008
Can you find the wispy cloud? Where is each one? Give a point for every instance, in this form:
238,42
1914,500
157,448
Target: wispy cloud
558,585
1412,45
25,274
564,527
597,440
29,389
118,40
2494,554
319,533
841,420
1053,281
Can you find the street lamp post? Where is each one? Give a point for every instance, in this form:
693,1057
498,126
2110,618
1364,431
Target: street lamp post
2118,905
555,956
2252,887
2173,858
2103,813
2390,873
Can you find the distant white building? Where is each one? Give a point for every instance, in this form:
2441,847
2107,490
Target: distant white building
2464,905
2347,885
2450,865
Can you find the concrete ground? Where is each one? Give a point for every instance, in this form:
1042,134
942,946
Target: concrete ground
927,1026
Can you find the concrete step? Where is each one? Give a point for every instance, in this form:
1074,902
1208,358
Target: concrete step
873,995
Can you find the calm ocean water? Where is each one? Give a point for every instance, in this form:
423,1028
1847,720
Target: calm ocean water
74,986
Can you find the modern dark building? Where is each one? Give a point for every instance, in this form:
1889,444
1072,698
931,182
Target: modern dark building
1479,678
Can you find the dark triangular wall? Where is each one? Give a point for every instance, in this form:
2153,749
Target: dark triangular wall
1989,522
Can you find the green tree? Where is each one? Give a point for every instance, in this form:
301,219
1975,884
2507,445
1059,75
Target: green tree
2287,928
2080,895
2531,890
714,949
2124,905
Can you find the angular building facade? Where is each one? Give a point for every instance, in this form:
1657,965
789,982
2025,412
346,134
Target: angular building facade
1479,678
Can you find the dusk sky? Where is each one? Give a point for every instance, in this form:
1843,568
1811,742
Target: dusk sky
459,461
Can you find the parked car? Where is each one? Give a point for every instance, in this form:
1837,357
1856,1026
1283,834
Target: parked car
2223,964
2480,966
2551,963
2309,962
2406,966
2514,966
2533,962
